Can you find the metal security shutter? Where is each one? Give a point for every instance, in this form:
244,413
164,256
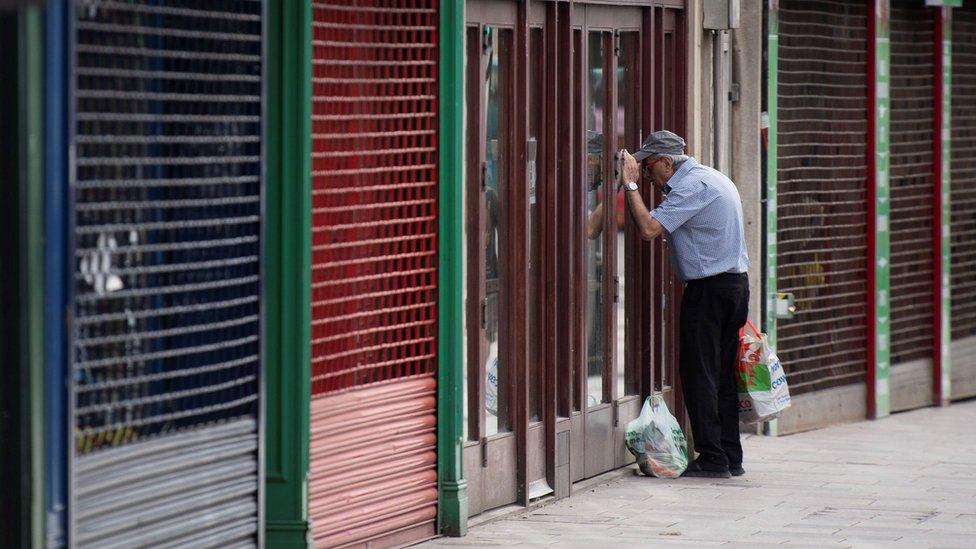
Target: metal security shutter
166,187
821,196
911,195
963,201
374,271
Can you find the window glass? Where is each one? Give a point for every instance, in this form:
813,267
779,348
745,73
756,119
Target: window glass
497,84
627,137
662,379
470,36
596,189
579,152
533,173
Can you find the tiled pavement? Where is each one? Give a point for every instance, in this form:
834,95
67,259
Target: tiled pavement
905,481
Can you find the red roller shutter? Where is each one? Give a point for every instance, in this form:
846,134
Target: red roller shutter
374,272
373,463
821,194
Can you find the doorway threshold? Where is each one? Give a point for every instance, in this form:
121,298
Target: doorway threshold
509,511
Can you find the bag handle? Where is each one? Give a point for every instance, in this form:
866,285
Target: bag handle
752,327
742,331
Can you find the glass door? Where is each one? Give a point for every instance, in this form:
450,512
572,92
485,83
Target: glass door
490,447
610,117
597,258
629,84
629,249
509,212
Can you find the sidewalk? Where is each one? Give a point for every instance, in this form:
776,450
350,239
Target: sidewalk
904,481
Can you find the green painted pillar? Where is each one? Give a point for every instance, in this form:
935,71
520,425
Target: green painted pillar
32,55
453,491
879,237
287,272
30,271
22,511
772,86
943,373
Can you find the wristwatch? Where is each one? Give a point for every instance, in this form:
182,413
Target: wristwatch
630,186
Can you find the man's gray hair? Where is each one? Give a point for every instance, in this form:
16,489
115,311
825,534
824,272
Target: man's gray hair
677,159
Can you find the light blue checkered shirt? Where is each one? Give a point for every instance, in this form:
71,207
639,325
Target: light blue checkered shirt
702,214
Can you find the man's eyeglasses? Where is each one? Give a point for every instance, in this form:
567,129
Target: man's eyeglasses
648,166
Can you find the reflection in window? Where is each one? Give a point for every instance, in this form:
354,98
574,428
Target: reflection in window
627,137
533,178
662,377
578,149
498,54
595,195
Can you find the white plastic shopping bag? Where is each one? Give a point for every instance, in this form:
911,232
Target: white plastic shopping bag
655,438
491,387
763,392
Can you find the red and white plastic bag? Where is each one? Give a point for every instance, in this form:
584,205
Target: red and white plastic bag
763,392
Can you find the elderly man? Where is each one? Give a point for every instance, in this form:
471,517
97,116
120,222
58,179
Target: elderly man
702,215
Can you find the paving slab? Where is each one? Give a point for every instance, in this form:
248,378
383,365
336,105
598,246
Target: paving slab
908,480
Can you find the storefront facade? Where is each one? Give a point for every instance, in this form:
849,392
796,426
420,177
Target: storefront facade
336,273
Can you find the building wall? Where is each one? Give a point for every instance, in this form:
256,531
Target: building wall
746,69
744,63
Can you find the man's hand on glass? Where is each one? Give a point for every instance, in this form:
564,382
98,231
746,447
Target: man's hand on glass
629,169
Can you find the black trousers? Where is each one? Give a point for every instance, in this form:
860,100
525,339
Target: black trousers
712,311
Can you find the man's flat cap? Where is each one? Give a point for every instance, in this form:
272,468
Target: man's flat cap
659,143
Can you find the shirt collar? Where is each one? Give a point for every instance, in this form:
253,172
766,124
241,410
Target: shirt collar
682,171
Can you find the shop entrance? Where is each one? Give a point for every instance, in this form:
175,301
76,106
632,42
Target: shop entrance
568,313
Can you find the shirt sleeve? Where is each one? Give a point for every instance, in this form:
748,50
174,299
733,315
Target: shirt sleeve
682,204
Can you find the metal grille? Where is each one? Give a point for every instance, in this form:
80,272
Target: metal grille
167,203
166,105
963,169
821,193
374,192
911,179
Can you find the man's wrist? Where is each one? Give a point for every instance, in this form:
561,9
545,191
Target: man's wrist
630,186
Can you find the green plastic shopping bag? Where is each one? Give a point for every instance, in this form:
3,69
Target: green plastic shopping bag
655,438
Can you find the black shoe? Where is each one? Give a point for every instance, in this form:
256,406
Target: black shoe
737,470
696,470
